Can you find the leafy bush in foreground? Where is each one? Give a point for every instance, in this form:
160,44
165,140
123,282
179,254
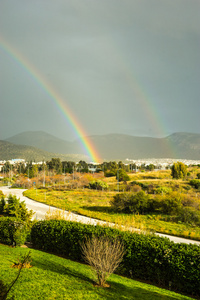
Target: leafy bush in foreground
13,207
147,257
13,231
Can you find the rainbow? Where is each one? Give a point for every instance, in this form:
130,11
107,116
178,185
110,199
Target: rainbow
140,95
55,97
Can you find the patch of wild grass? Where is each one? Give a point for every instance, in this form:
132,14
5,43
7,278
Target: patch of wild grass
96,204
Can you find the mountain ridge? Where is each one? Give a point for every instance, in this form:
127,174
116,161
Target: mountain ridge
114,146
10,151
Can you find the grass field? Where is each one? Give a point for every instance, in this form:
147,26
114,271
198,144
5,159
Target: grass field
96,204
52,277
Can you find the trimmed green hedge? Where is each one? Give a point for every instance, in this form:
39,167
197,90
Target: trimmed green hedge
147,257
12,231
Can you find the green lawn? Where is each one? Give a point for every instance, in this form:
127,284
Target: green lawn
52,277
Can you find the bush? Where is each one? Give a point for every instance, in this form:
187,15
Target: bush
103,255
17,209
2,204
121,175
13,231
147,257
64,237
132,203
140,203
163,190
189,215
144,186
178,170
195,183
171,203
121,202
98,185
110,173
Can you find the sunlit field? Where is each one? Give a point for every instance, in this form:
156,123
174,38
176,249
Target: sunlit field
96,203
53,277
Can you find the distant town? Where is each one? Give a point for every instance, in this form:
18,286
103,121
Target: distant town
135,164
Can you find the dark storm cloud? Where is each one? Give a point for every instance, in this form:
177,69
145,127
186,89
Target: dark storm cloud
105,58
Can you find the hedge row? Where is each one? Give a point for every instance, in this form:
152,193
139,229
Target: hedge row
12,231
147,257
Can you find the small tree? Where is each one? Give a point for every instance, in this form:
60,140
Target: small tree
103,255
17,209
122,175
179,170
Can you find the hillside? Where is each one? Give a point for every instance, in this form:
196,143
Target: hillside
118,146
10,151
41,140
186,145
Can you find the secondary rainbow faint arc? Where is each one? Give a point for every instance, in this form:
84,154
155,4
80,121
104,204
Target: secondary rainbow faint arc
63,108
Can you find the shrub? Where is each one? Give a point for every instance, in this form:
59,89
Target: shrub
189,215
135,188
171,203
139,203
2,204
147,257
13,231
178,170
17,209
110,173
144,186
163,190
103,255
195,183
132,203
121,175
98,185
120,202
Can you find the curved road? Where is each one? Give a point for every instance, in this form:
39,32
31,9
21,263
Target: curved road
41,209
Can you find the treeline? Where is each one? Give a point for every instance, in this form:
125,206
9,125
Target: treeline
31,168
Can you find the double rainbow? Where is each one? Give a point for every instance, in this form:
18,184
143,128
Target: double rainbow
55,98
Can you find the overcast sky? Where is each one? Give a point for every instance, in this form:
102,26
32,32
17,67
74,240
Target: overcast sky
122,66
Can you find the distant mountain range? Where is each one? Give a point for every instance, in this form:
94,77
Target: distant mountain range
10,151
39,145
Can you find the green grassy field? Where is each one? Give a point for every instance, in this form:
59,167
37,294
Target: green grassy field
52,277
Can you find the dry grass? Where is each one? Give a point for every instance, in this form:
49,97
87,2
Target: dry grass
96,204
